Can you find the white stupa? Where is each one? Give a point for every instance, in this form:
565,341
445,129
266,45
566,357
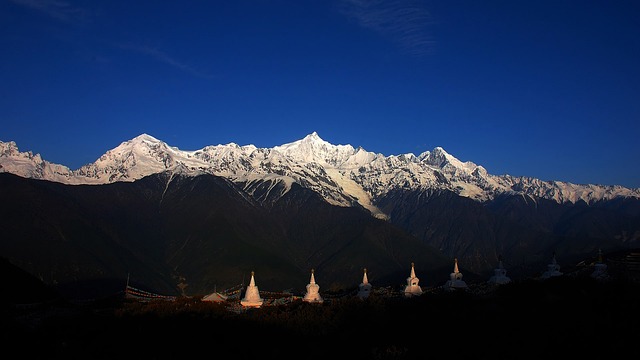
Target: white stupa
364,289
252,296
412,288
553,269
499,275
215,297
600,268
455,281
313,291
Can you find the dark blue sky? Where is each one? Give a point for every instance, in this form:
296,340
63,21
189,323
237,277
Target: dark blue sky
547,89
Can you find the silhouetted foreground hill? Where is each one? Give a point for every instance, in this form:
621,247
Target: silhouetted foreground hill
563,316
20,287
190,235
184,235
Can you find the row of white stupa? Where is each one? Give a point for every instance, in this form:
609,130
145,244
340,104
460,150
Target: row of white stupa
252,296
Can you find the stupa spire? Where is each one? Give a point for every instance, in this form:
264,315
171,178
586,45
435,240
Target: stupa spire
313,278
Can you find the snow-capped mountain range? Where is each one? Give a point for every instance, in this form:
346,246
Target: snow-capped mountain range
342,174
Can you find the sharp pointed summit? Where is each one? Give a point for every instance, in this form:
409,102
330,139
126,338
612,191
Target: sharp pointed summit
313,149
313,137
145,137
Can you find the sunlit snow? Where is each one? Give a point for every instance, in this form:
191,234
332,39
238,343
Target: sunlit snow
342,174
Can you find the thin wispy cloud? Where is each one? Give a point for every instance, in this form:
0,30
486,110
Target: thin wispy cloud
163,57
59,10
405,22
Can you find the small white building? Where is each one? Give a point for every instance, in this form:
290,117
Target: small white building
252,296
553,269
499,275
364,289
412,288
313,291
215,297
600,268
455,281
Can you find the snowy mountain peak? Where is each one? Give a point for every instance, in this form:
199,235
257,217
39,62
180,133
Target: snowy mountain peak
441,159
30,165
312,149
312,140
313,137
146,138
136,158
437,157
138,147
8,148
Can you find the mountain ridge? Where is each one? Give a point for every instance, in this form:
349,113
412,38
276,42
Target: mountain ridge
342,174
